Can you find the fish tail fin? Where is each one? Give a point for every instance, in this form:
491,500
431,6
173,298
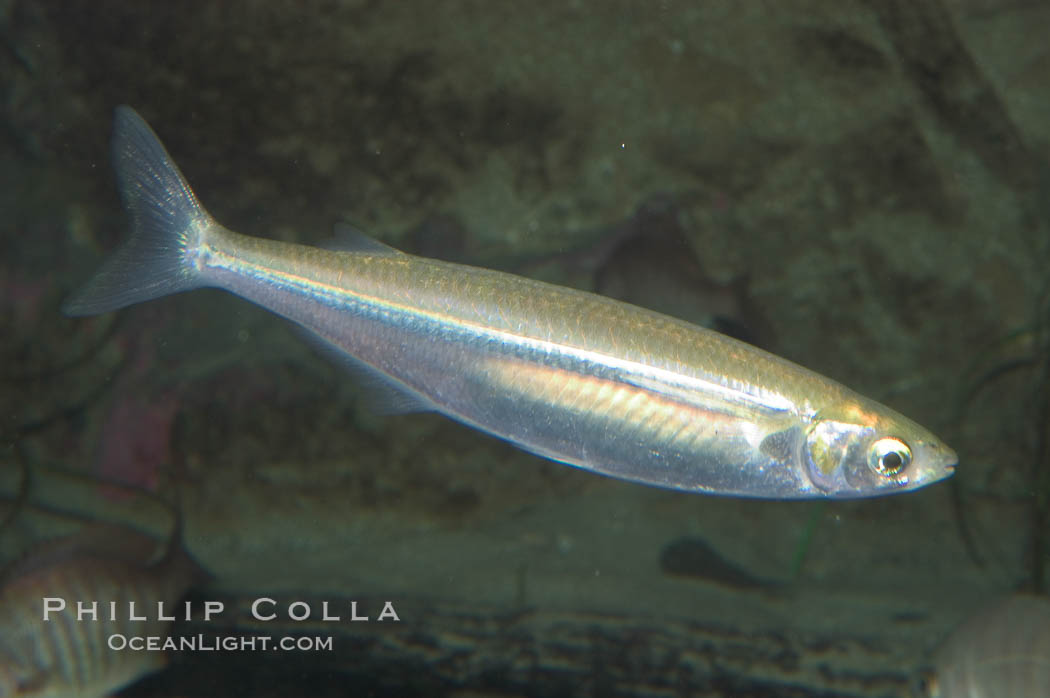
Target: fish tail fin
168,226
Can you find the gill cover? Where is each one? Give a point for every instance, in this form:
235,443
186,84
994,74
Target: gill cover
827,448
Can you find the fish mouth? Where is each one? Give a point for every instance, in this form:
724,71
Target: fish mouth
938,463
949,461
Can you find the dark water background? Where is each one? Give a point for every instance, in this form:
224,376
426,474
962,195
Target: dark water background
861,187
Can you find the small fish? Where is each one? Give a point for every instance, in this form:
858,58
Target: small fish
572,376
1002,652
50,653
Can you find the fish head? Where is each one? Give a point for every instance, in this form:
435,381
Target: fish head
864,449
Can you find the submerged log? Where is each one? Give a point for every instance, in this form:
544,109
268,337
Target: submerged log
440,649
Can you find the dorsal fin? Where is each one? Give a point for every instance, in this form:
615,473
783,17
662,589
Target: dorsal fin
347,238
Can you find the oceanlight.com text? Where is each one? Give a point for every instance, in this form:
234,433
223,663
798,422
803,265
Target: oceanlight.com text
216,643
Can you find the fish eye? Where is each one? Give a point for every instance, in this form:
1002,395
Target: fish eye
889,456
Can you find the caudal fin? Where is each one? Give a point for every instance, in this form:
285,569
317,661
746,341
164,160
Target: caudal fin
167,225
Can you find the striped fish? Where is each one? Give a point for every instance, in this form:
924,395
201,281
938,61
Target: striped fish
67,656
1002,652
571,376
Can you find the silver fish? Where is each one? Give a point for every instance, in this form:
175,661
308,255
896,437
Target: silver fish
571,376
1002,652
48,651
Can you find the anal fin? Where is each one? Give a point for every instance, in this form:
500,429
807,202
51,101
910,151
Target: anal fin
386,395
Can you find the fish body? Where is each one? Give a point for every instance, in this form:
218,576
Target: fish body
58,654
576,377
1002,652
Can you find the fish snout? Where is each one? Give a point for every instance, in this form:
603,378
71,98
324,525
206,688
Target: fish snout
937,461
